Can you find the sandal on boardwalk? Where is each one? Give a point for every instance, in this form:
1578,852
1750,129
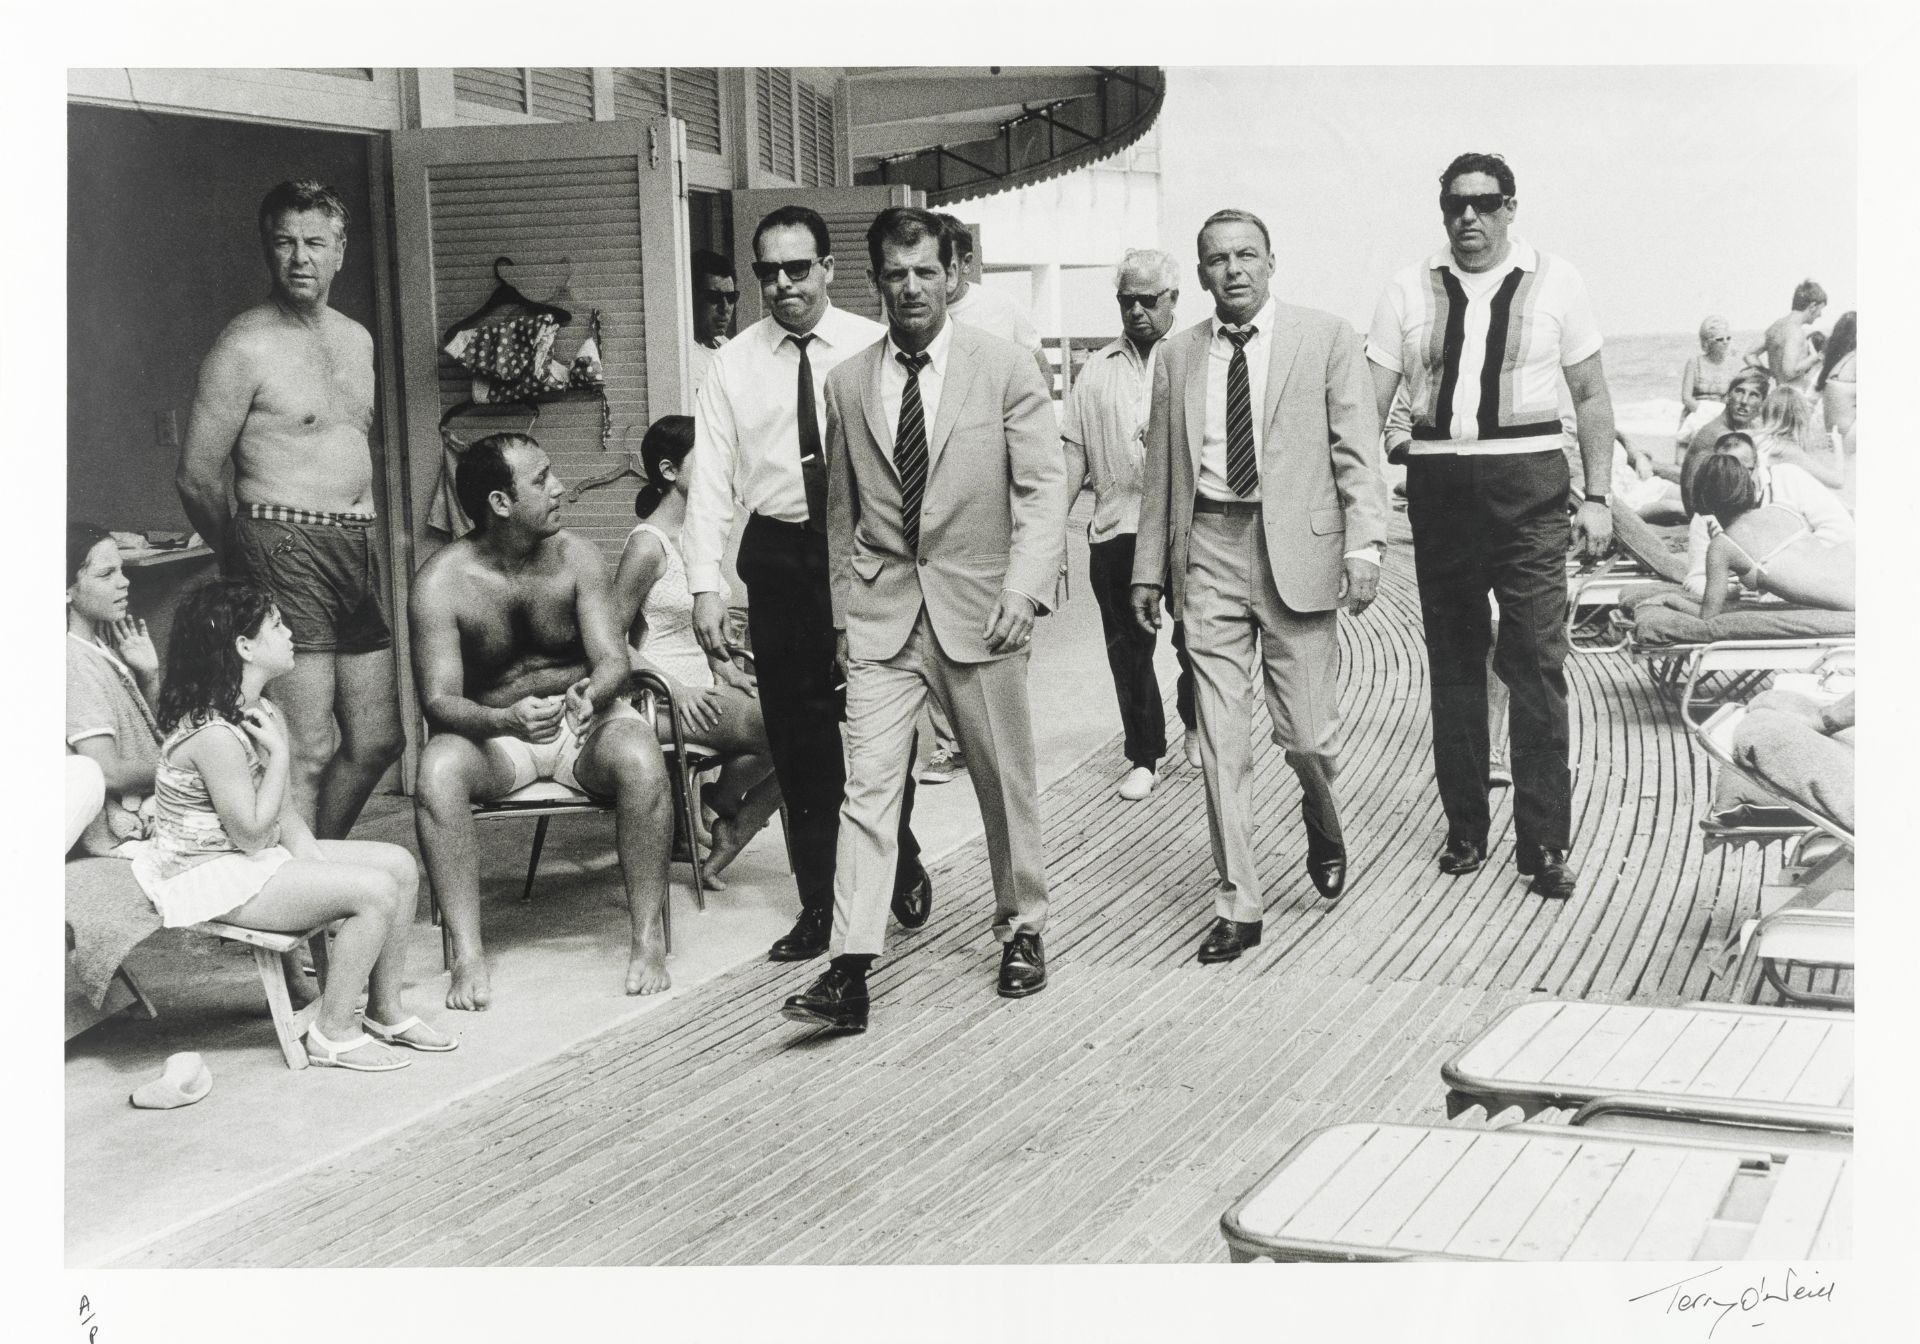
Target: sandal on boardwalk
325,1054
396,1034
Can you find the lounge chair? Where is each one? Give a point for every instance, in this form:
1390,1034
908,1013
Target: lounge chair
1712,1063
1535,1192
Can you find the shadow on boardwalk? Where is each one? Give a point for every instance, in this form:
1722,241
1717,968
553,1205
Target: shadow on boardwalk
1111,1118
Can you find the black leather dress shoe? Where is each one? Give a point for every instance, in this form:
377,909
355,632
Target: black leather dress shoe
913,903
1462,855
1553,877
836,1001
1326,865
1228,938
1023,966
806,940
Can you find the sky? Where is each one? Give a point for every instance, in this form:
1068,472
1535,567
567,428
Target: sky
1654,181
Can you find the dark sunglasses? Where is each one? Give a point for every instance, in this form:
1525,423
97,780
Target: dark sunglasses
1147,301
1482,205
766,271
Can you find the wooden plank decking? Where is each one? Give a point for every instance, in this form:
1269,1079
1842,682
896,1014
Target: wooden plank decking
1115,1116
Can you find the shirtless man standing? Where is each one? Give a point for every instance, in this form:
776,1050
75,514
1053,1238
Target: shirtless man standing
287,394
1785,351
522,668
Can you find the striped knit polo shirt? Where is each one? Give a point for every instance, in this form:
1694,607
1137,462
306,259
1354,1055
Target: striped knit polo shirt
1482,354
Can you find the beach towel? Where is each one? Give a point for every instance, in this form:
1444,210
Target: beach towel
107,917
1663,626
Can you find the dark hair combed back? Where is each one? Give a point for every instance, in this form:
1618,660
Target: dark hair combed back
1806,294
1841,343
904,226
1233,216
81,539
203,664
303,194
957,233
711,263
484,468
669,439
796,217
1492,165
1722,485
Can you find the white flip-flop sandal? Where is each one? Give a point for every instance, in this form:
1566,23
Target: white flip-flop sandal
392,1035
326,1054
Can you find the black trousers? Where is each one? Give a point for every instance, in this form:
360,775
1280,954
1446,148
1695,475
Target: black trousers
1496,523
1130,653
790,621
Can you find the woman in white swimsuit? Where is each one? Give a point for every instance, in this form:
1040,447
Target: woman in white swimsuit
718,703
1768,546
227,845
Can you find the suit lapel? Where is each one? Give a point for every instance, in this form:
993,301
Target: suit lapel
953,391
874,405
1286,345
1196,391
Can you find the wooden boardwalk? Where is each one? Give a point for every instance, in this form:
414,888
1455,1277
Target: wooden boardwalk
1111,1118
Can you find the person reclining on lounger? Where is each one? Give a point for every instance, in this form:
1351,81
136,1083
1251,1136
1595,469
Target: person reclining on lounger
523,676
1802,749
1770,546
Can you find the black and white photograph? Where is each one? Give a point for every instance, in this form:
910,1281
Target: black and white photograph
1063,690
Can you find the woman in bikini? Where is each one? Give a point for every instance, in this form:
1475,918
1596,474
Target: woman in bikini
227,845
1704,380
1769,547
718,703
1836,384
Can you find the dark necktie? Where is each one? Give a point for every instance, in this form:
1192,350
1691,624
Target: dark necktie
813,465
1243,470
910,448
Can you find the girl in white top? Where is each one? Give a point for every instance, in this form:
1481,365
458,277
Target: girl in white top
227,845
718,703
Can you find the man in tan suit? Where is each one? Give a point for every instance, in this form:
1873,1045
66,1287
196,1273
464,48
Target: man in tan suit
946,519
1265,507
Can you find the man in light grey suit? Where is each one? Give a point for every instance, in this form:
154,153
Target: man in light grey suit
1265,507
946,518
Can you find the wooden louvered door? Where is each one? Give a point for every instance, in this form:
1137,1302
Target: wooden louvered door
597,208
847,210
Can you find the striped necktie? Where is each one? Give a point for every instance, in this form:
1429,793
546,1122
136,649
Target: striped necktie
1243,470
910,448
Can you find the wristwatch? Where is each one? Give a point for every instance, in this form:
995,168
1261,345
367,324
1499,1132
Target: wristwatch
1595,496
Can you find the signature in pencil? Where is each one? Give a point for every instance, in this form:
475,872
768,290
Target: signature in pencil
1751,1298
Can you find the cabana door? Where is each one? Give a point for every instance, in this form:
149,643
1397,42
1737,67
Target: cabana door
596,209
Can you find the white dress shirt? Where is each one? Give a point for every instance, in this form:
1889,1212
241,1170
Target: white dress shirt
746,432
996,314
893,383
1212,481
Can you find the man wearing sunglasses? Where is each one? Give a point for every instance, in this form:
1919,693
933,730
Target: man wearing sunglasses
1263,511
1485,335
1105,430
715,294
758,439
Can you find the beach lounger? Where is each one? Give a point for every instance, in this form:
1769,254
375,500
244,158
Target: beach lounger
1784,1068
1665,639
1393,1192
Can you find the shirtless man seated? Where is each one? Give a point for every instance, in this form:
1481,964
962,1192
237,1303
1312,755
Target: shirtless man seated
287,395
523,672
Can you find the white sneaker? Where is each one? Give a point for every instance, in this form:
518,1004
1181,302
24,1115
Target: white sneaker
1190,744
942,767
1137,785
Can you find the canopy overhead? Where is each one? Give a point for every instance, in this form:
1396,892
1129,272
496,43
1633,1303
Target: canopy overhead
959,132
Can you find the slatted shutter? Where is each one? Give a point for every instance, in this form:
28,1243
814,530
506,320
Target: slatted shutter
639,93
582,205
808,167
563,94
847,210
774,111
695,94
491,86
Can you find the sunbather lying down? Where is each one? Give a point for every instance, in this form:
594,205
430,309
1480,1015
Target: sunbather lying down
1803,751
1771,547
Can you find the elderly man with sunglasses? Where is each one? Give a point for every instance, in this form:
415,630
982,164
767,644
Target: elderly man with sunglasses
1105,429
1483,335
758,439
